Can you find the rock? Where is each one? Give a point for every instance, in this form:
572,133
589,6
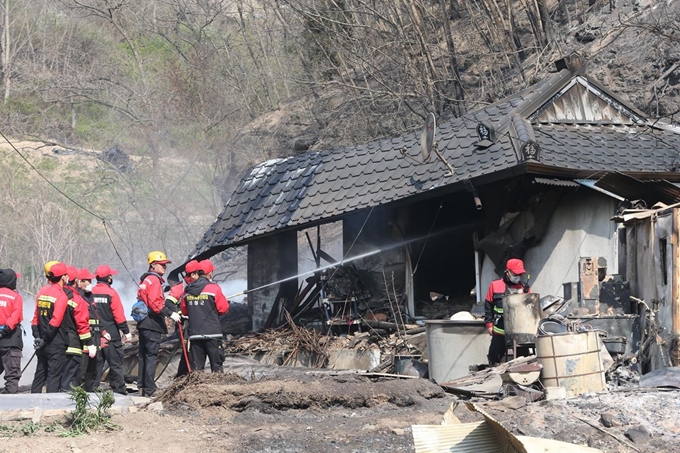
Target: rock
591,442
118,158
639,435
607,419
157,406
555,393
136,400
514,402
398,431
37,415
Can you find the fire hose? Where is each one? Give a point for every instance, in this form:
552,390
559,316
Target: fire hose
28,363
184,352
184,346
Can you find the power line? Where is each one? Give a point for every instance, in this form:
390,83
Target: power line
65,195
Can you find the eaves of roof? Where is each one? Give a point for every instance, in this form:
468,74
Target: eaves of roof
321,187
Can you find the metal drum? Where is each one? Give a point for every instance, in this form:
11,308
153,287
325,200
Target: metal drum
522,313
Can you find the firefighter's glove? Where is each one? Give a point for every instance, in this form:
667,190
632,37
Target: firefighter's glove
127,338
107,336
38,343
176,317
92,351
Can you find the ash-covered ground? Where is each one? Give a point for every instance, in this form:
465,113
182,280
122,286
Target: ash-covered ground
303,410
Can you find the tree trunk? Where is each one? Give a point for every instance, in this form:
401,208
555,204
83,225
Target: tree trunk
544,14
6,69
458,93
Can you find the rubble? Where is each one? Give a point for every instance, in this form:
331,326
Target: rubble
308,347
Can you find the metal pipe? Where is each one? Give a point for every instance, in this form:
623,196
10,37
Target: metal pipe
478,201
478,278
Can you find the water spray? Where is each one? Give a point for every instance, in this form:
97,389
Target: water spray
330,266
247,291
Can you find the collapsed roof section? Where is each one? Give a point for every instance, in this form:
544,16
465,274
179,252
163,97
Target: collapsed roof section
567,125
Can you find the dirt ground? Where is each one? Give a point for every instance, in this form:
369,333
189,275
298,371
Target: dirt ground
354,413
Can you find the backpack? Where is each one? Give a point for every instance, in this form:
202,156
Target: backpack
139,311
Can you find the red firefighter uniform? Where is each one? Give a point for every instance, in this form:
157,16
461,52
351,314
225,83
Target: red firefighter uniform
151,293
51,339
11,343
204,303
493,306
112,321
172,301
77,325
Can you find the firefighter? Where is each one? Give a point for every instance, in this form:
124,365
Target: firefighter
90,373
11,343
112,321
204,303
172,301
513,282
152,326
77,326
50,338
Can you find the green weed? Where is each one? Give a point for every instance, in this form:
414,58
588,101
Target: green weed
85,418
27,429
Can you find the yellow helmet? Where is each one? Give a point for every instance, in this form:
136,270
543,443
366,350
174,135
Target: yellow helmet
157,257
48,266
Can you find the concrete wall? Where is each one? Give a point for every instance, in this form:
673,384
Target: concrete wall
580,226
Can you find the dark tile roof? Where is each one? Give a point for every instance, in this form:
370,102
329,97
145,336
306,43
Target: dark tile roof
607,148
318,186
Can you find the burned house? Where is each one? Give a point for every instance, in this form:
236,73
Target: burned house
537,175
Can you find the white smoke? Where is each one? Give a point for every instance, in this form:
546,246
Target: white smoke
232,287
28,310
128,295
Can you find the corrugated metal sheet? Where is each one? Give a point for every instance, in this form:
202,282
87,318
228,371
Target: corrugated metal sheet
556,182
591,184
488,436
464,438
634,189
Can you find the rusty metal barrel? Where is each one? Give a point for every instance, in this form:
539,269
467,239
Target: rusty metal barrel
522,313
571,360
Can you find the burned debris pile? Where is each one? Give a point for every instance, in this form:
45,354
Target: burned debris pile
371,351
597,338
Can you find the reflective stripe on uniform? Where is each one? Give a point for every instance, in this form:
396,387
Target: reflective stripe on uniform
498,330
